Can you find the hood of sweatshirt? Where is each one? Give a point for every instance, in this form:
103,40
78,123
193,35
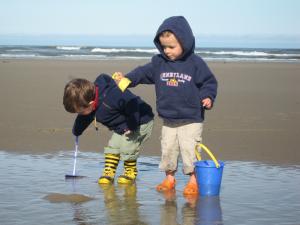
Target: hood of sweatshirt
179,26
104,83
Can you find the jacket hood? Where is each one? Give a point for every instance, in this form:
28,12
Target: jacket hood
179,26
104,83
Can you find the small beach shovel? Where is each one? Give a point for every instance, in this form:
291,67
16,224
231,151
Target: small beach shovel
73,175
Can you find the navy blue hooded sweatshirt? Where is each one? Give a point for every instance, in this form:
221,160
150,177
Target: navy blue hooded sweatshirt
181,84
119,111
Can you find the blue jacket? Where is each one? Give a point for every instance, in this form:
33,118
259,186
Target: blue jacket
182,84
119,111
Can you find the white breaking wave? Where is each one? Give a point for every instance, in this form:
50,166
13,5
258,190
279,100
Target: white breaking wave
18,55
84,56
116,50
252,53
17,50
228,59
126,52
68,48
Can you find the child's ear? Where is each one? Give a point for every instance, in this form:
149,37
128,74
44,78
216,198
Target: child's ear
92,104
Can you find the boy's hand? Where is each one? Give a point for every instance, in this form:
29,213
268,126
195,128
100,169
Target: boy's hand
117,76
127,132
122,81
207,103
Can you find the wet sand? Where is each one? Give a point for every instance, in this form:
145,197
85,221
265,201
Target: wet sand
256,116
72,198
35,190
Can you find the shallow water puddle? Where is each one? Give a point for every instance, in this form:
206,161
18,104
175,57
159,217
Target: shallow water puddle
72,198
252,193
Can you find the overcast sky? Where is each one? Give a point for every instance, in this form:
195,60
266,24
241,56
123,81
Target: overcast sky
253,18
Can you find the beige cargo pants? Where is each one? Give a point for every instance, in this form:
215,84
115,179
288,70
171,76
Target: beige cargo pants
179,138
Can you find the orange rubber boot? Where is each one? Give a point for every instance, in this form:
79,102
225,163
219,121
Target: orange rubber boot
166,185
191,189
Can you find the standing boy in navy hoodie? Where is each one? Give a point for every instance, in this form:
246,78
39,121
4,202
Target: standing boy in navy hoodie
130,119
185,87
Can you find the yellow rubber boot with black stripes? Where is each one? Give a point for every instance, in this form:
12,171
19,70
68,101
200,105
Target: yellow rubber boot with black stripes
109,171
130,173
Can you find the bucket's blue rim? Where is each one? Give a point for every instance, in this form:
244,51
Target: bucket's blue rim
222,164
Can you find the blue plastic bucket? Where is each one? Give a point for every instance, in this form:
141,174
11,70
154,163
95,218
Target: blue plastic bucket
209,177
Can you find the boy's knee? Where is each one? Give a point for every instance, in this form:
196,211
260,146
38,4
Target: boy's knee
129,157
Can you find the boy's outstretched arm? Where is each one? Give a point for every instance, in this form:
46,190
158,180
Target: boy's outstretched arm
81,123
140,75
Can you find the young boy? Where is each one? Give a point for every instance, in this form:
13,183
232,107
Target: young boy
185,87
130,118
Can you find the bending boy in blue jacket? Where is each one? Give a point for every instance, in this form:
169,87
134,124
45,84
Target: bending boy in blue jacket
185,87
130,119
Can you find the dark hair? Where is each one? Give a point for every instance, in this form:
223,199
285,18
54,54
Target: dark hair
166,33
78,94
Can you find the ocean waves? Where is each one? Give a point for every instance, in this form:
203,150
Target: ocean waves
102,53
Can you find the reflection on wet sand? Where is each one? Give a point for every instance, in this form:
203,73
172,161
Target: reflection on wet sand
81,215
169,208
209,211
122,207
121,204
33,189
196,210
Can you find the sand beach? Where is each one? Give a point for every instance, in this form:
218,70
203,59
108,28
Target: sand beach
256,115
253,128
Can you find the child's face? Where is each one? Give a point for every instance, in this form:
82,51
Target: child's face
171,46
86,111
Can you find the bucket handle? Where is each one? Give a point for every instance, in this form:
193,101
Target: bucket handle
198,156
